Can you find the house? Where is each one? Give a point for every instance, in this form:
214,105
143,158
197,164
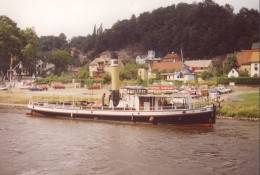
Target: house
43,68
244,58
105,54
147,59
199,65
168,66
255,46
80,55
173,57
99,66
143,73
255,64
167,76
185,74
72,70
233,73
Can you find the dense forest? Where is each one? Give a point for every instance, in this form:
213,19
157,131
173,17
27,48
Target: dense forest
203,30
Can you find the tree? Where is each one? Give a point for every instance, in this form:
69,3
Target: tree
84,72
61,60
10,43
130,71
244,73
107,78
229,63
206,75
30,50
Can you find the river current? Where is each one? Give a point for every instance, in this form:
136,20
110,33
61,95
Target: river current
42,145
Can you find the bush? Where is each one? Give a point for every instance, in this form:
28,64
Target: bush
238,80
206,75
40,81
107,78
90,82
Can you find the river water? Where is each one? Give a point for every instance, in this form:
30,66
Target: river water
41,145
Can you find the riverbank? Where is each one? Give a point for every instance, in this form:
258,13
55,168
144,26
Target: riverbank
239,118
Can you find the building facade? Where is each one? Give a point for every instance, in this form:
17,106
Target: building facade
147,59
233,73
255,65
199,65
43,68
99,66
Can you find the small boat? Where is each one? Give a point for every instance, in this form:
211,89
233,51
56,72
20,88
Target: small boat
135,105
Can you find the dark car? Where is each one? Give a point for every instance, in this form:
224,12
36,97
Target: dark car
94,87
58,87
35,89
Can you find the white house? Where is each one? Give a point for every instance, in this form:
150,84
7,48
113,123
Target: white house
233,73
255,64
167,76
150,57
184,76
43,68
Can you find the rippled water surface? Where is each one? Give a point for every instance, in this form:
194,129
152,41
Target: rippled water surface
41,145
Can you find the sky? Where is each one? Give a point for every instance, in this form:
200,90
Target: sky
78,17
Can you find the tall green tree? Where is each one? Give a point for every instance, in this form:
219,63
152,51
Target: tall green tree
30,50
10,43
84,73
61,60
229,63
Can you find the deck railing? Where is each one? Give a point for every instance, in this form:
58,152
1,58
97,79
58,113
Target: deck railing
59,105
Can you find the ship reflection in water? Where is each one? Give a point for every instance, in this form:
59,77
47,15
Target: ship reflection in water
40,145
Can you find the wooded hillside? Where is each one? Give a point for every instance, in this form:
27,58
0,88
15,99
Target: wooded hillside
203,30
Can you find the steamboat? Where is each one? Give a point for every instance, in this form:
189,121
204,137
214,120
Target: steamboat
134,105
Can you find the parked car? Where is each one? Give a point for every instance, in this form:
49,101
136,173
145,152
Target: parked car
35,89
44,88
213,94
223,90
25,85
94,87
58,87
3,87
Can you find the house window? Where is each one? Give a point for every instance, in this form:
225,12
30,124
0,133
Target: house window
232,71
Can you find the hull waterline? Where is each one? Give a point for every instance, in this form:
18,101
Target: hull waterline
201,117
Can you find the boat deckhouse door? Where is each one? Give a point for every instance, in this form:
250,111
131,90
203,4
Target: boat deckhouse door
144,103
146,106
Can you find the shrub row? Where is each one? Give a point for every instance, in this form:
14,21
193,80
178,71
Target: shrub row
48,80
242,113
238,80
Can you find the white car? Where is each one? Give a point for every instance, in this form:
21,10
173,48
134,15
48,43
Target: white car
3,87
223,90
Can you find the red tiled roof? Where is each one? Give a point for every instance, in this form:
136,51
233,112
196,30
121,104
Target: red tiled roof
172,55
105,53
167,65
244,57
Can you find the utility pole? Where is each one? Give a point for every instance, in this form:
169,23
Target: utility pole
10,75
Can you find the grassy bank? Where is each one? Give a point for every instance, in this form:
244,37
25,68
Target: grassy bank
249,107
18,97
21,97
